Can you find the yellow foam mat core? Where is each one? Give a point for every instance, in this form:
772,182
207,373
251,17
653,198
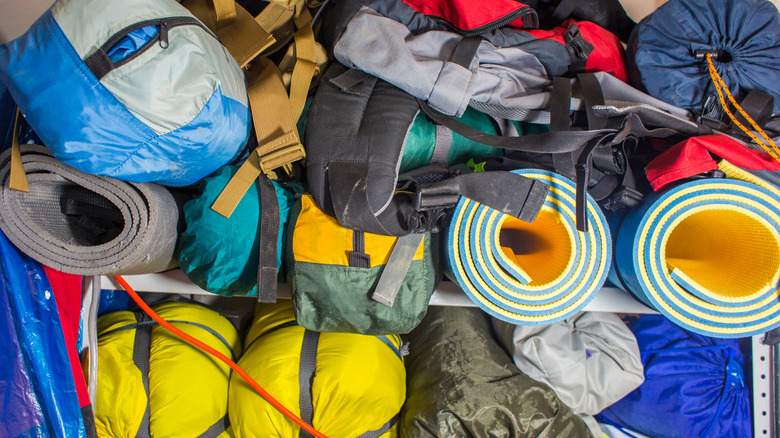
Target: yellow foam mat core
542,249
724,251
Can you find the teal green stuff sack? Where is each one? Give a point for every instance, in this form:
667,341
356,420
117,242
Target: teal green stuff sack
219,254
421,140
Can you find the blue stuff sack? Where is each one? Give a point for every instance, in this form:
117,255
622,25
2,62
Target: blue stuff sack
140,91
694,385
661,51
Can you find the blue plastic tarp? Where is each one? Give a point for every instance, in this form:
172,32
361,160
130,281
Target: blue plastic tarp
37,395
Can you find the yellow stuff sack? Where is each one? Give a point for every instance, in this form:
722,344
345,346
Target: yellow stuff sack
346,385
151,383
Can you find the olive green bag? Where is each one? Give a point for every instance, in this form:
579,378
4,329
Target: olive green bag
333,273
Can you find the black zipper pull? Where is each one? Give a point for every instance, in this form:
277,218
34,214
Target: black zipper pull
164,34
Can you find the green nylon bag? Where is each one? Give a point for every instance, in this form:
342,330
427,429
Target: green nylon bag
333,272
461,382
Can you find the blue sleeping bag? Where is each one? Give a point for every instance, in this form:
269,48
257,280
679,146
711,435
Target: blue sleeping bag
694,385
661,50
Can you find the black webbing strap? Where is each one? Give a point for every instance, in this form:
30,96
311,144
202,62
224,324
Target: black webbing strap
385,427
269,235
758,105
99,63
89,421
563,11
141,350
507,192
358,257
217,428
306,368
593,96
560,120
465,50
560,104
544,143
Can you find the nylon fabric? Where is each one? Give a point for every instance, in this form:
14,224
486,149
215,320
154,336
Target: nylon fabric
188,390
227,267
141,238
423,135
330,295
466,16
462,383
685,253
38,397
695,385
591,360
529,274
692,157
358,383
662,46
139,124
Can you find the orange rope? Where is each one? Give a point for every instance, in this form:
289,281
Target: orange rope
263,393
770,147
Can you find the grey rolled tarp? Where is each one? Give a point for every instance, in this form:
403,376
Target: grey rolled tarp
86,224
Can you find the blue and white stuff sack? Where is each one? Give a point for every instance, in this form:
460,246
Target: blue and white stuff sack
137,90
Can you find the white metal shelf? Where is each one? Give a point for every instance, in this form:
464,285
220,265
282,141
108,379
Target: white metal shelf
608,299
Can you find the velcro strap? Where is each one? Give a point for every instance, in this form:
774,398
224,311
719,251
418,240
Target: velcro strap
394,272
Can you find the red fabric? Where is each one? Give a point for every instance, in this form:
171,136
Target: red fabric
555,34
67,294
468,14
608,54
695,155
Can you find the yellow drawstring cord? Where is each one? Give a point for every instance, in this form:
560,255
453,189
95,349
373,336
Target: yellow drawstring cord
770,147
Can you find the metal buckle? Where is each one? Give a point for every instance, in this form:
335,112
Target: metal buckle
280,152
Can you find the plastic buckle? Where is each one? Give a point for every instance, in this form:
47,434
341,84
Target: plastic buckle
280,152
624,198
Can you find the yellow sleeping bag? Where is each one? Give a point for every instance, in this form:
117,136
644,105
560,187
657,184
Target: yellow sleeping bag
151,383
346,385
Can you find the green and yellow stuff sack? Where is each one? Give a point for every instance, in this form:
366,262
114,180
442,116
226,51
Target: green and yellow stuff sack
345,385
333,272
152,383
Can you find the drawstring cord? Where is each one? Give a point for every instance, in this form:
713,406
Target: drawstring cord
770,147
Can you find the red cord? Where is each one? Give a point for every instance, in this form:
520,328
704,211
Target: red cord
263,393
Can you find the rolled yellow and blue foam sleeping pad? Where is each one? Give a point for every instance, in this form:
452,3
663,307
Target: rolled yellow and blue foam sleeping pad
705,253
529,274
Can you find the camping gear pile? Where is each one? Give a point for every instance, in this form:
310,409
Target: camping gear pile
362,152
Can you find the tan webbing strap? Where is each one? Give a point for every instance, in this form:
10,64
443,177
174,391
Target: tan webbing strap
225,11
277,19
277,135
17,179
305,64
243,37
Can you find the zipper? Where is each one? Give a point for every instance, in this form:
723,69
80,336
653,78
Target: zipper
164,25
530,21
